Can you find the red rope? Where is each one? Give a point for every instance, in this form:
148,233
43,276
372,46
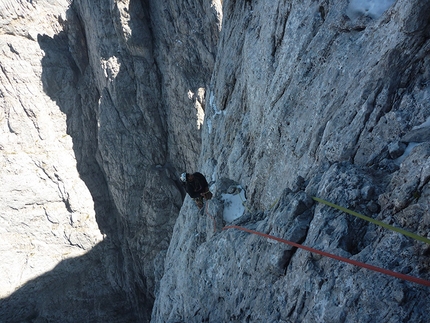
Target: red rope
326,254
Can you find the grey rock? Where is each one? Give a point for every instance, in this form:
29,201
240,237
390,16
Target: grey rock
299,184
104,104
396,149
417,135
373,207
87,121
368,192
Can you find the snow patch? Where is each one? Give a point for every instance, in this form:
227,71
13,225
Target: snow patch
214,107
233,204
209,125
371,8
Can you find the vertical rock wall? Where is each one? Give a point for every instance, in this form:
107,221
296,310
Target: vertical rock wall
53,254
312,87
150,89
47,213
310,99
126,99
105,103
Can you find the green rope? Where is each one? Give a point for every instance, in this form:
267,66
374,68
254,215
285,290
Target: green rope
243,203
382,224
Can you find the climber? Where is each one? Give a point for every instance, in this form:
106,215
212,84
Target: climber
197,187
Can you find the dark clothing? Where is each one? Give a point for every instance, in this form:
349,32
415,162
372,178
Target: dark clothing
197,186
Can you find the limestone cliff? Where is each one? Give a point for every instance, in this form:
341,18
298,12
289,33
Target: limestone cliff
102,107
310,98
105,103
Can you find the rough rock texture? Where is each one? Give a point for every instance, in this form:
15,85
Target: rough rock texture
104,103
102,106
47,213
301,90
53,256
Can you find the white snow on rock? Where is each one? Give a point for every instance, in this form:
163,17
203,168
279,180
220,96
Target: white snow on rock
234,204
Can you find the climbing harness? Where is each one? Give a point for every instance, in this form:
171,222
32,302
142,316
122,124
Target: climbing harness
207,195
380,223
326,254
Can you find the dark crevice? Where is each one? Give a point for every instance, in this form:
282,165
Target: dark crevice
280,29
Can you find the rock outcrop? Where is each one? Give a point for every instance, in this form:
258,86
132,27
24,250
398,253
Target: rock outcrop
102,108
104,104
306,98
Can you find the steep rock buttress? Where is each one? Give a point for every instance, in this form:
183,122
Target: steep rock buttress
105,103
325,99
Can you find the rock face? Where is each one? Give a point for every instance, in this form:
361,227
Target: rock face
105,103
301,90
47,213
102,107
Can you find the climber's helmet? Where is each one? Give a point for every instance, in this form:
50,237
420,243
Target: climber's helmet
183,177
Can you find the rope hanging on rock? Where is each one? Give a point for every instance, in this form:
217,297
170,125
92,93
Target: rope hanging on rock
326,254
380,223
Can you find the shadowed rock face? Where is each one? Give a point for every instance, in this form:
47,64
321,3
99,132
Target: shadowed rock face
105,103
300,90
108,114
